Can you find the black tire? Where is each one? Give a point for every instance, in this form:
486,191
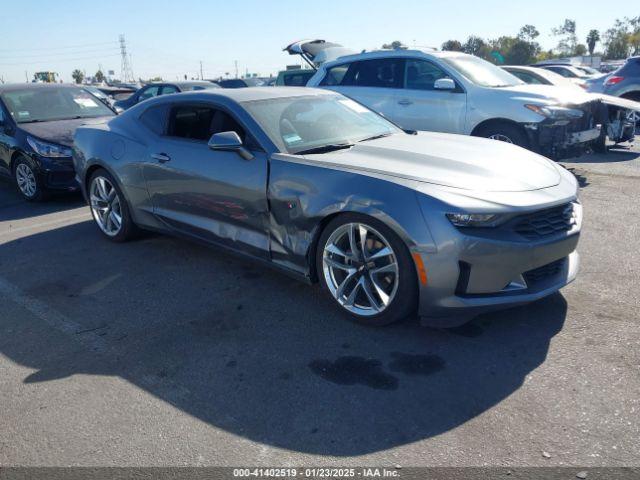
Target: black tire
599,145
635,96
507,130
39,194
128,229
405,300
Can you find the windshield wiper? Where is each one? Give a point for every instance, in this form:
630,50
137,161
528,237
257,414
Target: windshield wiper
326,148
374,137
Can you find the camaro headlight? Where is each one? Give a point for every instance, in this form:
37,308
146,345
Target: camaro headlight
555,111
50,150
474,219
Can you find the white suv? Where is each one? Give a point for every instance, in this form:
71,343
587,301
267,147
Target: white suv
458,93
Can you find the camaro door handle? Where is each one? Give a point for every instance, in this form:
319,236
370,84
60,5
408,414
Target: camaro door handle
405,102
161,157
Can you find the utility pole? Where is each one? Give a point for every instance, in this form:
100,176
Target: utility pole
201,76
236,64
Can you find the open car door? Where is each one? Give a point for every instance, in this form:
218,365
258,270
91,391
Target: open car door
317,52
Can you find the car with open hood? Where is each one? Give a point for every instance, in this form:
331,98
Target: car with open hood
319,186
37,123
453,92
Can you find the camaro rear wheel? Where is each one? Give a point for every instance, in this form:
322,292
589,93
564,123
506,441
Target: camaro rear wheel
109,207
367,270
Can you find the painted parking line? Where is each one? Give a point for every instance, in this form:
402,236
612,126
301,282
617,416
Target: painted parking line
35,225
50,316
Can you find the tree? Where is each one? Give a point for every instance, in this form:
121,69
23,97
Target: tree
634,43
99,76
395,45
592,39
528,33
452,46
568,38
474,45
580,50
618,40
78,76
522,53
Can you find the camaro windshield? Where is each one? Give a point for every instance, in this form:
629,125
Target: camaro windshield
297,124
481,72
46,104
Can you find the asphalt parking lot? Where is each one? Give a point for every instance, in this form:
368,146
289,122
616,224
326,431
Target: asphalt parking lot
163,352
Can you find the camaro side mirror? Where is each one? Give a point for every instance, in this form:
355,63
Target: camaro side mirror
444,84
229,142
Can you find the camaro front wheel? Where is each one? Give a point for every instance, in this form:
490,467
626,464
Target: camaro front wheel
367,270
109,207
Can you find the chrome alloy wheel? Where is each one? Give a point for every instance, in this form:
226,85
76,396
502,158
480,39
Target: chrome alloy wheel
500,137
26,180
360,269
105,206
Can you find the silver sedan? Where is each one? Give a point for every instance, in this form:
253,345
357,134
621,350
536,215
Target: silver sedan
389,222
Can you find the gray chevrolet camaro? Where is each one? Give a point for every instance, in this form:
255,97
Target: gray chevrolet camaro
315,184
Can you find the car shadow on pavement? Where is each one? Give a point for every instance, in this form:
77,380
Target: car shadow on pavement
14,207
615,154
250,351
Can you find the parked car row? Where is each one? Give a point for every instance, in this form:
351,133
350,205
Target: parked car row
357,184
319,186
389,221
454,92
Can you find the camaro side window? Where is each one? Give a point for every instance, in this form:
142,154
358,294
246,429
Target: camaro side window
197,122
422,75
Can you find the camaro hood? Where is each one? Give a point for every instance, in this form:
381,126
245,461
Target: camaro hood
457,161
59,131
550,94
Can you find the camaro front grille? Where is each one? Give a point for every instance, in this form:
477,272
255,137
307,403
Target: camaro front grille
542,273
546,223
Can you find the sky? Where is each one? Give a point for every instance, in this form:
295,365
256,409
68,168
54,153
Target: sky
171,38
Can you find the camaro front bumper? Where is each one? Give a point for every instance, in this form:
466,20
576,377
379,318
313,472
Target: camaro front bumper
475,274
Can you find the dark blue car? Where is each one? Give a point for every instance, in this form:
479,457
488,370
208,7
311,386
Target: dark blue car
154,89
37,123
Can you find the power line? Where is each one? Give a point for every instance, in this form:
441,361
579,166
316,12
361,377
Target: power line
59,60
85,45
80,52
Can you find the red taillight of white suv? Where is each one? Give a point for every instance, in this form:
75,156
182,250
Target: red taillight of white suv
613,80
